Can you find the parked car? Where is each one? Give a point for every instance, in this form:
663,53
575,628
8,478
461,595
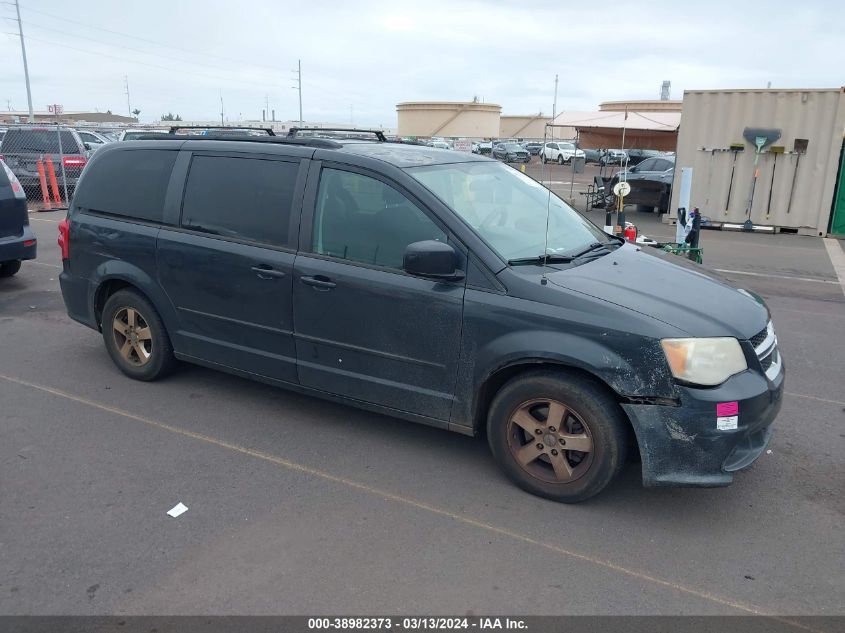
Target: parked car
445,288
651,183
511,153
636,156
533,148
17,241
135,134
92,140
439,144
485,147
613,157
24,146
559,152
592,155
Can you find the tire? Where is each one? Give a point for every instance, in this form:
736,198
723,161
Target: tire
8,269
150,356
592,419
560,160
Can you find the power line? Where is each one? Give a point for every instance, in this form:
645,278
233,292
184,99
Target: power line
128,48
160,67
141,39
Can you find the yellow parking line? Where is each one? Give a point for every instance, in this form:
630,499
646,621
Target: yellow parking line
384,494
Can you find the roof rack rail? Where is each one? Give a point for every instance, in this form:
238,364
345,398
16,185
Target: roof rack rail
324,143
294,131
237,128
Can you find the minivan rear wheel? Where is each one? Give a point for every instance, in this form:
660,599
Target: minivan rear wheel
557,436
135,336
7,269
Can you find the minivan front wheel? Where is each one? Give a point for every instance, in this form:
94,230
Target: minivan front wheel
557,436
135,336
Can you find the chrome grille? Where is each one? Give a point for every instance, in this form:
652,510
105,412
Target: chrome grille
766,347
759,337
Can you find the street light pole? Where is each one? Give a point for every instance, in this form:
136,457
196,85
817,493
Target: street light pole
25,66
299,76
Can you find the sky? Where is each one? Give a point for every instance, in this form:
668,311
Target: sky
360,58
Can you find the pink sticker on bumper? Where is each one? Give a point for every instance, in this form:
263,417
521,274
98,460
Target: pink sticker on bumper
724,409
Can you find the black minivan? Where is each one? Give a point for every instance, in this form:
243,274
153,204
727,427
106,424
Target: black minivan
432,285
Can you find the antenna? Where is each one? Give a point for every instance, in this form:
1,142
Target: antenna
543,279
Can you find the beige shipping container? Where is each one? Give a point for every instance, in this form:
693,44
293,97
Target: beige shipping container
713,120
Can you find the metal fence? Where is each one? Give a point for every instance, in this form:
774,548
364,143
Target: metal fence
47,160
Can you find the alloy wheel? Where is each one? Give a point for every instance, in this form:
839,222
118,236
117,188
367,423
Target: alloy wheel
132,337
550,441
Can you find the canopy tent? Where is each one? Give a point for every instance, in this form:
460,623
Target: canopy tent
643,130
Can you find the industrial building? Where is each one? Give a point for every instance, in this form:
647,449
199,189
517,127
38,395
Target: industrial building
792,183
68,118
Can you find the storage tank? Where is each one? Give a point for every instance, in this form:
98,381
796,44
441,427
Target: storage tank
448,118
531,127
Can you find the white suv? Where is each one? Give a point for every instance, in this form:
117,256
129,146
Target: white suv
559,152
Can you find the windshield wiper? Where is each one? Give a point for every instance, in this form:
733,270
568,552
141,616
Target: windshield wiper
592,247
539,259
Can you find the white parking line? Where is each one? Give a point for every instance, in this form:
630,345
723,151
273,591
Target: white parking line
44,264
44,220
743,272
837,258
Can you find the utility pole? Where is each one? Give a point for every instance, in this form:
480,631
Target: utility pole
298,86
126,87
25,66
221,108
554,105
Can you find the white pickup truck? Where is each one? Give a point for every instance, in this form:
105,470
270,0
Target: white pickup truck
559,152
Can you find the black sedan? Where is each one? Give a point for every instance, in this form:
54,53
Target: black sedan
511,153
533,148
651,183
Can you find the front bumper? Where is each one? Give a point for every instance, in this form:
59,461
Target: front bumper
681,446
18,247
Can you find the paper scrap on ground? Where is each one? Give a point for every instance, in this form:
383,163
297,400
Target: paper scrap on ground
178,509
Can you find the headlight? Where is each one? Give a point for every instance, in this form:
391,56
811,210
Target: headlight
704,361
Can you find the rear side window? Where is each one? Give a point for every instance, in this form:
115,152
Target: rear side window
39,142
129,183
244,198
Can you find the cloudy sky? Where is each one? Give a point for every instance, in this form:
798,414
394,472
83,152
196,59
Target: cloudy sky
360,58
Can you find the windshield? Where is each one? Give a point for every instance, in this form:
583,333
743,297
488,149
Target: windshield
508,209
512,147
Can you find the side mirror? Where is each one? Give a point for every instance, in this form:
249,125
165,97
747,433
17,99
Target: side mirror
87,146
432,259
632,169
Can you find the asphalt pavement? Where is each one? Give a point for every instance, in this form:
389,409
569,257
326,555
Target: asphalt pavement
298,506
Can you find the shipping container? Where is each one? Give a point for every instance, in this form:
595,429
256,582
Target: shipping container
795,186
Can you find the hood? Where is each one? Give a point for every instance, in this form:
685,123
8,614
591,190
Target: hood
668,288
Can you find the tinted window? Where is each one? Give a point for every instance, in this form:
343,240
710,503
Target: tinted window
365,220
567,146
662,164
647,165
246,198
89,138
39,142
129,183
551,145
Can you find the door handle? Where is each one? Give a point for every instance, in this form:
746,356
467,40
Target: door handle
319,282
263,271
